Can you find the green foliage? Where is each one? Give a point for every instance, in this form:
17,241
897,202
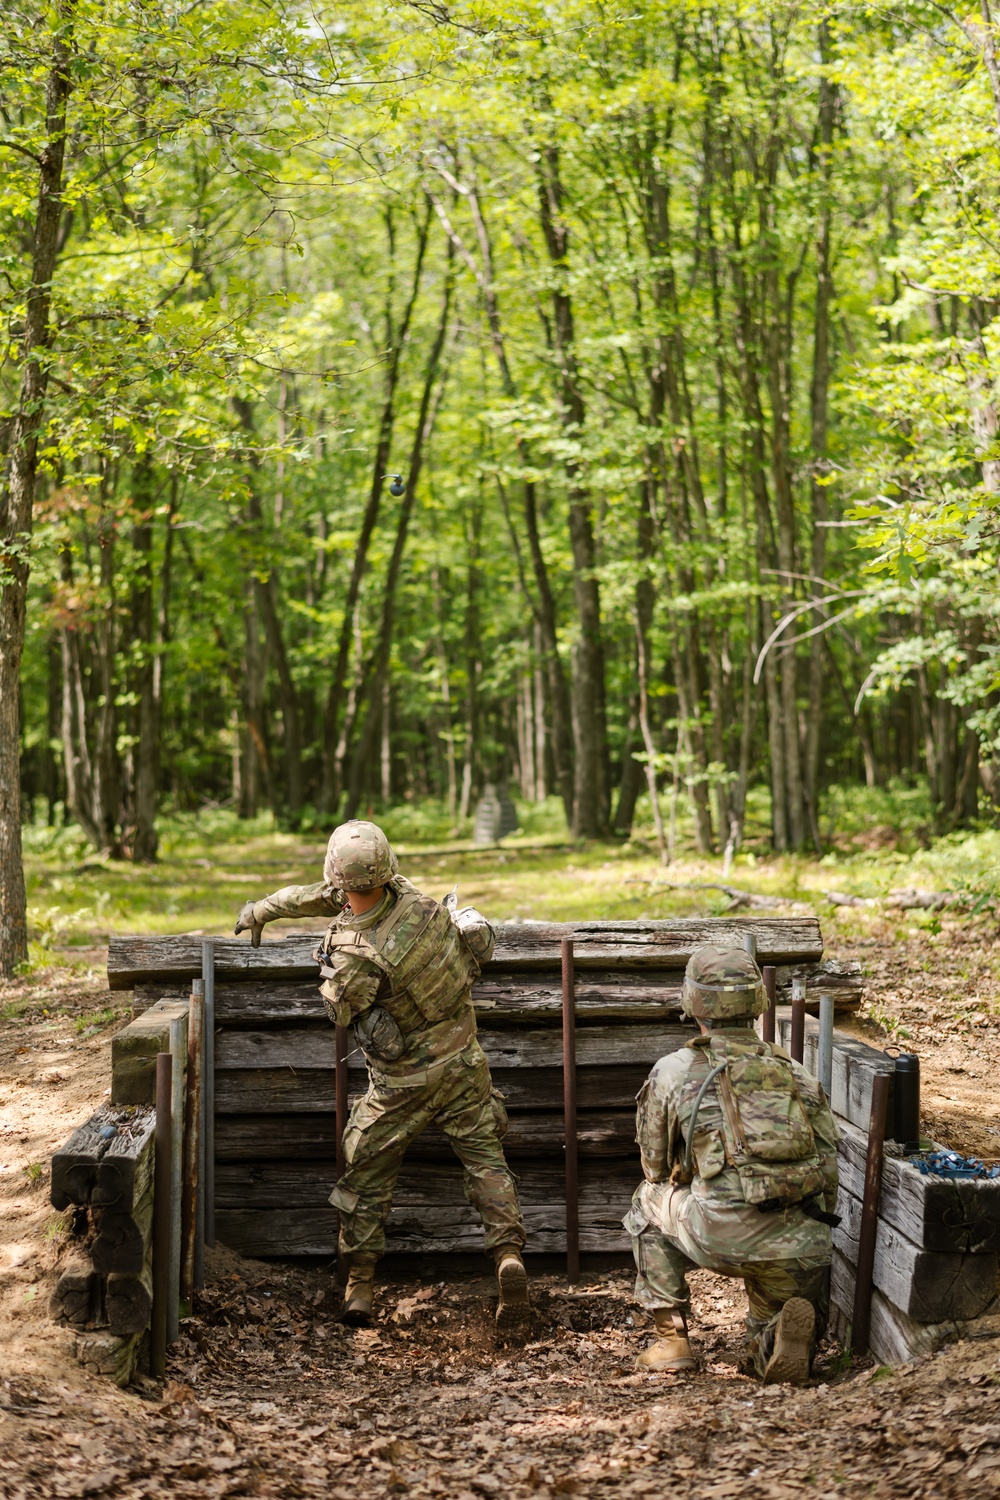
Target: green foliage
253,195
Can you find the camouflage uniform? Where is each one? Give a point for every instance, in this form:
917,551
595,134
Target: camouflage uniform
403,973
710,1215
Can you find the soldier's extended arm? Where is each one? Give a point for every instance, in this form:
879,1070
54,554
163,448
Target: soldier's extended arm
319,900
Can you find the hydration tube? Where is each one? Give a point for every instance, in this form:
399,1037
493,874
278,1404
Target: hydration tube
720,1068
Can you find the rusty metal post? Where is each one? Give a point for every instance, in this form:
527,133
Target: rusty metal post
824,1052
861,1318
208,1092
191,1183
569,1112
340,1087
770,976
162,1188
797,1041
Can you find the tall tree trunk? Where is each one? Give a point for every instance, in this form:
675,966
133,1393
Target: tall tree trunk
819,393
18,495
422,432
590,793
265,587
396,340
545,609
140,838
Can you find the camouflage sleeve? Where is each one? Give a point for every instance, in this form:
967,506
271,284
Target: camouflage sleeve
825,1129
319,900
656,1120
353,988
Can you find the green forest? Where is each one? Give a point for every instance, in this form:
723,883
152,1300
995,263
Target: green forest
677,323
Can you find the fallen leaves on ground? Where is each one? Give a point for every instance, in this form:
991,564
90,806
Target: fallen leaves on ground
268,1395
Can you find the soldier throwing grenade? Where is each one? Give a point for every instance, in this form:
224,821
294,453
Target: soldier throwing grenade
739,1153
400,966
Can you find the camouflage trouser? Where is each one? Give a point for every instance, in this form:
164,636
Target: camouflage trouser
462,1103
664,1253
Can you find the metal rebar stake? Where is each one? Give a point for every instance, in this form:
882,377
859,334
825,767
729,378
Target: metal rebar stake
824,1054
208,1089
162,1236
569,1112
862,1314
769,974
192,1186
797,1040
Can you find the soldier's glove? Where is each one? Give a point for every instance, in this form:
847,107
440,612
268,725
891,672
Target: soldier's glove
247,922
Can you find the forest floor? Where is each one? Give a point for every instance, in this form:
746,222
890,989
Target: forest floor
268,1395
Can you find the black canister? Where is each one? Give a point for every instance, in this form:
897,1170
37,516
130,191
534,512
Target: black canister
906,1091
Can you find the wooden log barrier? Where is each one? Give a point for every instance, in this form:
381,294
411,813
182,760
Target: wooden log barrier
600,945
930,1286
278,1098
129,1301
105,1353
123,1240
76,1297
107,1162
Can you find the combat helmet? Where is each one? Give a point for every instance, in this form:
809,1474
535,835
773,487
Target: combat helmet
722,984
359,857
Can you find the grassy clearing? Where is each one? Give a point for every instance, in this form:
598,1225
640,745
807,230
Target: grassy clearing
212,862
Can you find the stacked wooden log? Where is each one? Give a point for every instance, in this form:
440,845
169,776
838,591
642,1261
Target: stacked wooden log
937,1242
276,1110
104,1173
275,1089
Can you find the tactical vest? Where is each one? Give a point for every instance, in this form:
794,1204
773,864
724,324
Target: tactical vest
426,966
765,1135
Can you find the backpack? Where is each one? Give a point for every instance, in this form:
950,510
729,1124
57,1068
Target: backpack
766,1136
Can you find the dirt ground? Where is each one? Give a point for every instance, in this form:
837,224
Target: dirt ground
267,1395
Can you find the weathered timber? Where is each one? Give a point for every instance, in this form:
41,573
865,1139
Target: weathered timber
439,1231
296,1184
128,1301
311,1137
599,1046
123,1240
107,1161
843,981
894,1337
76,1298
107,1354
245,1091
668,944
162,1028
855,1066
935,1213
929,1286
511,999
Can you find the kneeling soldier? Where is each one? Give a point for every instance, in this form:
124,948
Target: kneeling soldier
740,1162
401,967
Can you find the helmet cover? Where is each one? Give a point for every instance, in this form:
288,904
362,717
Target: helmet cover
722,984
359,857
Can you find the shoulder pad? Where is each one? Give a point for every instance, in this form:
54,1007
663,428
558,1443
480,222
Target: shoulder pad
345,948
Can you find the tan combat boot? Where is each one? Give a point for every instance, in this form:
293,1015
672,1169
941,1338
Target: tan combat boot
514,1305
672,1350
793,1339
357,1310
